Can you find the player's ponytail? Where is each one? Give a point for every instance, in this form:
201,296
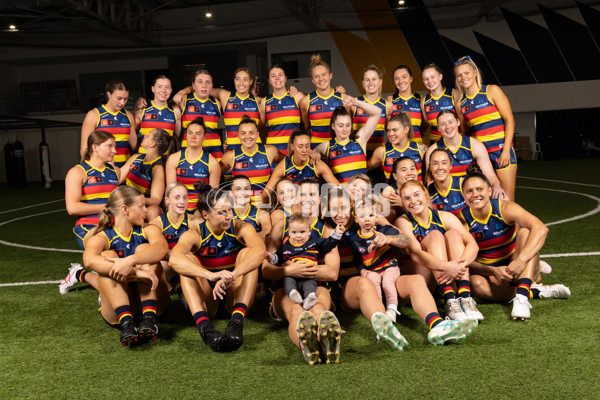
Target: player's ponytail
317,61
404,119
95,138
165,143
121,196
474,171
296,133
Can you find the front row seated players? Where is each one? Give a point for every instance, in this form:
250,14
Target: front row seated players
218,260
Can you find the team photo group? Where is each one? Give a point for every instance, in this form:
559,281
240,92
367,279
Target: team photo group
348,204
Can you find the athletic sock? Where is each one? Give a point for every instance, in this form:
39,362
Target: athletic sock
149,306
124,314
201,319
534,293
433,319
175,283
80,275
464,288
523,287
239,312
447,291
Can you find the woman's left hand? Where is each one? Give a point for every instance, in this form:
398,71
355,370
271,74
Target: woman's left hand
504,158
147,274
121,268
349,101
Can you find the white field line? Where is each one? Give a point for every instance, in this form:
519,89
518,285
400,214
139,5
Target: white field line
35,205
581,216
553,180
29,283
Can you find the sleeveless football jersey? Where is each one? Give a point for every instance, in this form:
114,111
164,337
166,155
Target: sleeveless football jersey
296,174
360,119
190,171
462,156
218,252
255,166
346,160
484,119
319,113
96,189
119,125
140,173
496,238
433,106
412,106
348,265
233,112
171,231
421,231
283,116
392,153
250,217
125,246
382,257
209,110
452,200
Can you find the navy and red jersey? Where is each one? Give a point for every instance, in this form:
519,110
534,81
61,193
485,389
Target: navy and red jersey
319,113
172,231
256,166
140,173
191,171
218,252
346,159
421,231
283,116
412,106
382,257
98,185
209,110
310,251
296,173
119,125
452,200
484,119
392,153
433,106
360,119
462,156
125,246
233,113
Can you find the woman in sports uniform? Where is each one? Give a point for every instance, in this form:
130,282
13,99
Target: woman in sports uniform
401,143
125,250
280,110
158,115
194,163
372,83
442,235
464,149
251,159
307,329
508,260
87,187
438,99
298,165
405,99
488,114
224,260
196,101
318,106
114,119
444,189
357,293
146,172
244,210
345,153
286,191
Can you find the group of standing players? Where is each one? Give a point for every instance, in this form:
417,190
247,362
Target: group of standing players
397,221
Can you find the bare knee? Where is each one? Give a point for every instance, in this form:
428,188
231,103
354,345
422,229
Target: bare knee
109,254
452,236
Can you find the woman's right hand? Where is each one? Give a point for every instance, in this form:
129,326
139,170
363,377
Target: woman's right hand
502,274
140,104
147,274
224,274
301,270
394,199
454,269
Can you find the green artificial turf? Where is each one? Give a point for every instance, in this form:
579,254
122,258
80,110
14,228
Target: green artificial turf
54,346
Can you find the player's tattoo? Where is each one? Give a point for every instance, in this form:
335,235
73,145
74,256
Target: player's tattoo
401,240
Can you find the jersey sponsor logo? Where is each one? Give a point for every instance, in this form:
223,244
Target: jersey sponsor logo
397,107
429,108
181,171
338,153
150,116
94,179
134,167
478,235
271,108
241,165
169,237
389,160
107,122
193,109
466,109
316,108
232,106
360,111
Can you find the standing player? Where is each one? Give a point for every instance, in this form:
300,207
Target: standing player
318,106
438,99
114,119
404,99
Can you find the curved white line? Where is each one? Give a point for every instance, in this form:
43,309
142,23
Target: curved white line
552,180
35,205
592,253
562,221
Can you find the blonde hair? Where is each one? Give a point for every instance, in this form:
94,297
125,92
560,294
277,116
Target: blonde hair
356,177
121,196
413,183
298,217
172,186
467,60
316,61
95,138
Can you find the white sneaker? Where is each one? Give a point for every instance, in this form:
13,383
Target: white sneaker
521,307
556,291
453,310
470,308
451,329
392,313
545,268
385,329
70,280
310,301
307,337
330,333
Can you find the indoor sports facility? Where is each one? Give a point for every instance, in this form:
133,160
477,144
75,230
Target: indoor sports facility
143,69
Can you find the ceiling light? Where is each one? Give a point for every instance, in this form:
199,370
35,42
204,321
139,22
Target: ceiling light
12,28
208,14
401,2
